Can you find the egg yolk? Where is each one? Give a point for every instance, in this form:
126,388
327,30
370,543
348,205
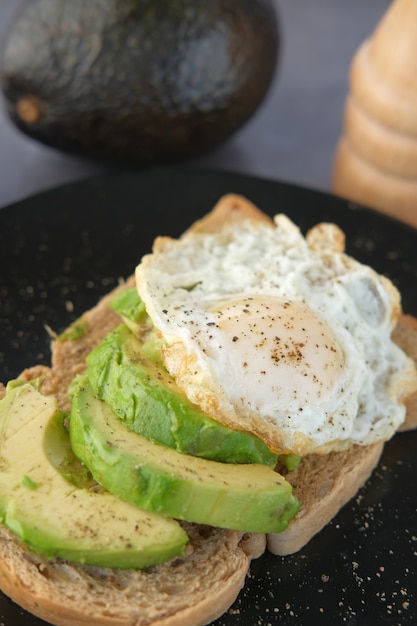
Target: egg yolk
271,355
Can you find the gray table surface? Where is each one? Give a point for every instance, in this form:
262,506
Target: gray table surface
292,137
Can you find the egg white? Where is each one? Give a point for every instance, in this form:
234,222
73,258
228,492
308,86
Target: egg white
287,340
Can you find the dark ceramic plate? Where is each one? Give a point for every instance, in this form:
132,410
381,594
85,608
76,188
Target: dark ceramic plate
61,250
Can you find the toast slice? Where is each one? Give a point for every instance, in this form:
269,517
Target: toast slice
196,589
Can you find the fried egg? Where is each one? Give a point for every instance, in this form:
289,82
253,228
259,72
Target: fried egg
278,334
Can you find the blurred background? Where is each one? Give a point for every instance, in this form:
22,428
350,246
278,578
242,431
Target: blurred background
293,135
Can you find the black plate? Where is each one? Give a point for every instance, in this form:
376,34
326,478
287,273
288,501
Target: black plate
61,250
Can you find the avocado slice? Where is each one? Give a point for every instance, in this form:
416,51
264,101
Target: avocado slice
131,308
49,500
125,373
249,498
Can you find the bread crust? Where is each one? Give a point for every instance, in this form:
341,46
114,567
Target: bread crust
405,336
230,209
323,485
190,591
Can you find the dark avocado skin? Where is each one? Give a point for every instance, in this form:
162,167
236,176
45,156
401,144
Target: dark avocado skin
138,80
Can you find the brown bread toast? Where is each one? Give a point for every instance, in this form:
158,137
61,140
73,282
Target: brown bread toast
196,589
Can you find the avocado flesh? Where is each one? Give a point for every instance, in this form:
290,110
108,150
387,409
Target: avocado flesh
249,498
131,308
58,517
124,373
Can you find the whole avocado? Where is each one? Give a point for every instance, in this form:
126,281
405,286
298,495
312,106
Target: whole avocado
143,81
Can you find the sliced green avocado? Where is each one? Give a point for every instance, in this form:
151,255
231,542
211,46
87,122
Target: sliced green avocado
130,306
49,501
250,498
140,391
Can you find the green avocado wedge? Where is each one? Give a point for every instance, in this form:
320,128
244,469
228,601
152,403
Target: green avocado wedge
124,372
131,308
249,498
49,499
